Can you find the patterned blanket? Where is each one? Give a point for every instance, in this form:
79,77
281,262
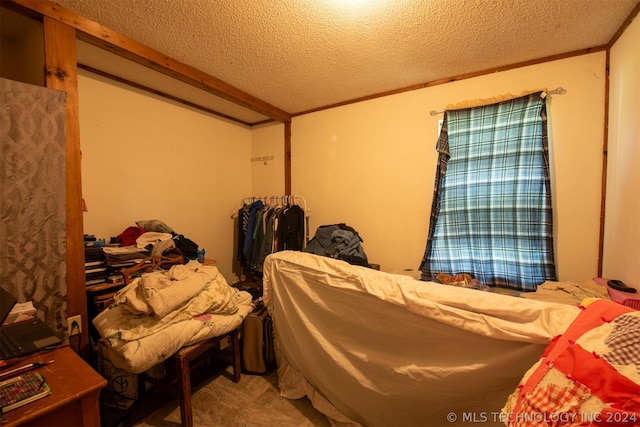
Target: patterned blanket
588,376
159,313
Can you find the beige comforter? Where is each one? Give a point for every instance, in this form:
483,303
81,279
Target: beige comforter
159,313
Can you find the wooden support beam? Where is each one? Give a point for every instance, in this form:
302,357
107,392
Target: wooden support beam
287,157
61,74
112,41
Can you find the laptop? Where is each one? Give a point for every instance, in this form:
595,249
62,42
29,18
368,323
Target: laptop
22,338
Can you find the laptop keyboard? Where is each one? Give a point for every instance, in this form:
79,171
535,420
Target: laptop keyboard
9,346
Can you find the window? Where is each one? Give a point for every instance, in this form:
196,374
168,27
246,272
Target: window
491,214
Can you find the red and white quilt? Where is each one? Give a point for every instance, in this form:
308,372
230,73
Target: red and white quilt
588,376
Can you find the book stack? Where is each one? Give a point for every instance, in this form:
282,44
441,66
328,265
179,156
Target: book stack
119,257
18,391
95,266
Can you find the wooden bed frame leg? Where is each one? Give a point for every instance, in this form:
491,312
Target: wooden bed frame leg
184,387
235,343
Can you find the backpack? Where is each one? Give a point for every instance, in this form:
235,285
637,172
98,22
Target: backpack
187,247
338,241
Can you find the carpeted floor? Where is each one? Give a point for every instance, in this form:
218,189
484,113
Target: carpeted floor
218,401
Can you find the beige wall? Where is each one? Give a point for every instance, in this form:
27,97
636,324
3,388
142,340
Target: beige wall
369,164
372,164
622,226
144,157
267,176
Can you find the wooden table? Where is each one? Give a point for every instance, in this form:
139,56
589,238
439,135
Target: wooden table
75,391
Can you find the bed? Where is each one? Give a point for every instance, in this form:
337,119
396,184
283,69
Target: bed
378,349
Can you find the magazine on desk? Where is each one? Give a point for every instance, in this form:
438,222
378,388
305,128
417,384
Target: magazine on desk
22,389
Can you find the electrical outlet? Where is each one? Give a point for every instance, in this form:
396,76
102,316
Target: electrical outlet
72,329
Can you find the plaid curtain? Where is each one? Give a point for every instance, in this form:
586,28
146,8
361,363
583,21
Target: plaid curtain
491,214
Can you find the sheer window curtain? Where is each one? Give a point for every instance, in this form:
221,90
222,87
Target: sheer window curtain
492,213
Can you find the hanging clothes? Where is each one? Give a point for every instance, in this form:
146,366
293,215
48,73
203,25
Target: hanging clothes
247,216
264,229
291,229
268,244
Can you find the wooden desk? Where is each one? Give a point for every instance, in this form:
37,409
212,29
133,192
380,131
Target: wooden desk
75,392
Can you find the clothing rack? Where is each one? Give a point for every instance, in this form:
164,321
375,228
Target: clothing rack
556,91
285,199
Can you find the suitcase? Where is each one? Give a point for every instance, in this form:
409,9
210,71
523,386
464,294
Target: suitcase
257,342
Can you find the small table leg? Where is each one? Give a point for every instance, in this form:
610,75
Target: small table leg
184,387
235,343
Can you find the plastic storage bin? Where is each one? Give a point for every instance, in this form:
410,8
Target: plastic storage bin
625,298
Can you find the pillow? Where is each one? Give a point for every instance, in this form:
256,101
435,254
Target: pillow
155,225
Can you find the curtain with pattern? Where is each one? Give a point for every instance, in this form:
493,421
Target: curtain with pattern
492,213
33,253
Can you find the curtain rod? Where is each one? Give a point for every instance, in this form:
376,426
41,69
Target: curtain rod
556,91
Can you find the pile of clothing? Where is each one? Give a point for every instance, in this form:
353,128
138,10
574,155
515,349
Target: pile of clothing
146,239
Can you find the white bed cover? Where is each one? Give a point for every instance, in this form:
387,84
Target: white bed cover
379,349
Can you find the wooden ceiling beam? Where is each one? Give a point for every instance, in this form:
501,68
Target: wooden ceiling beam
112,41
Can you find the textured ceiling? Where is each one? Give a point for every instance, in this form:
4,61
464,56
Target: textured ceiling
300,55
